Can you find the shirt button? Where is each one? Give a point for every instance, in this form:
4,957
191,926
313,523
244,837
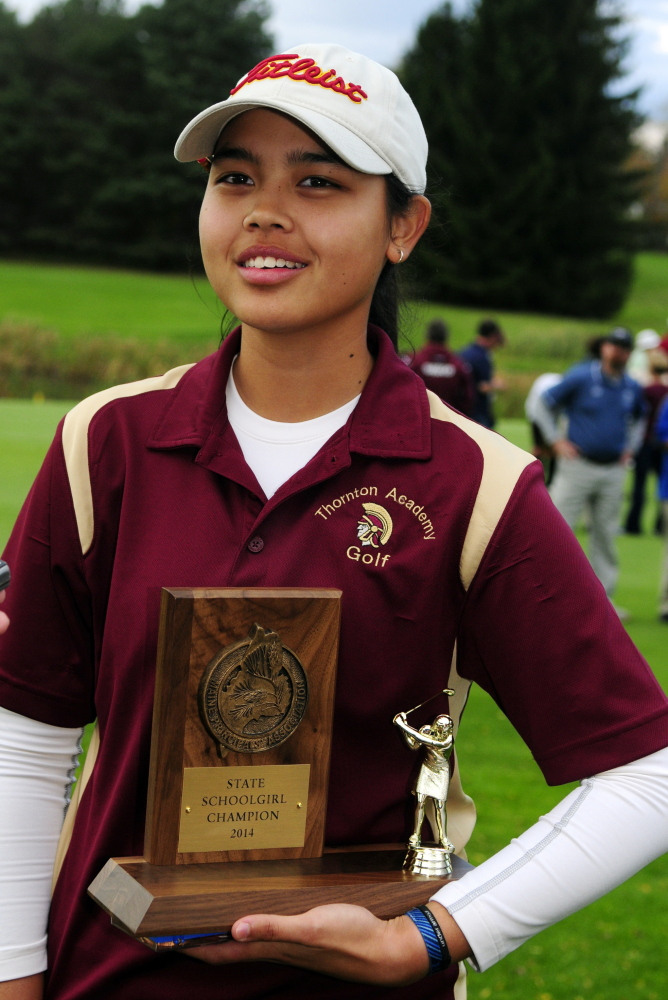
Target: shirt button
256,544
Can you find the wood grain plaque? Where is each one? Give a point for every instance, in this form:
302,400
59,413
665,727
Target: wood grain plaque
145,900
232,799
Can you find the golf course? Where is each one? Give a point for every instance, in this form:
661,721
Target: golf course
613,950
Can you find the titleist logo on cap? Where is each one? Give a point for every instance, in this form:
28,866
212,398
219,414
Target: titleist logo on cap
304,70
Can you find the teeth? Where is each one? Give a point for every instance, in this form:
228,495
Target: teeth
271,262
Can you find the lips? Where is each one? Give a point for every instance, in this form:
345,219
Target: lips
266,256
269,265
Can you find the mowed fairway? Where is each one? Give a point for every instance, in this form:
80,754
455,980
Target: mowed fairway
613,950
77,300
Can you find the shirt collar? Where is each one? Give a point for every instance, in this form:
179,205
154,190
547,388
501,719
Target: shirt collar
391,419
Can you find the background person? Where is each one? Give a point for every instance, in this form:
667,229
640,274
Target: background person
478,356
661,437
605,411
442,371
648,457
541,449
638,366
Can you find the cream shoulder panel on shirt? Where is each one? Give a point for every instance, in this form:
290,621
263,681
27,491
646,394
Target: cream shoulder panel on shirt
503,464
75,442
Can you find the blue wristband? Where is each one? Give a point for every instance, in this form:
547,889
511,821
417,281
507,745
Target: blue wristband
433,937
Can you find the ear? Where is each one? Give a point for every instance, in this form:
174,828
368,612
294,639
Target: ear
407,228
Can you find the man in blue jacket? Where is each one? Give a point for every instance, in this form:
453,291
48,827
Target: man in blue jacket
604,408
660,434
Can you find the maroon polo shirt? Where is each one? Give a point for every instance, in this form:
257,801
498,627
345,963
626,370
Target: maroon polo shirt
445,374
171,502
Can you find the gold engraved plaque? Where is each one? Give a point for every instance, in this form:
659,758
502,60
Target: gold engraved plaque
253,694
243,808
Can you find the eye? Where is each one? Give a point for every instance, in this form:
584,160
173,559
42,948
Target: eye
234,178
318,182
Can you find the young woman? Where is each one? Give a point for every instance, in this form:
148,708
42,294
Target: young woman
252,468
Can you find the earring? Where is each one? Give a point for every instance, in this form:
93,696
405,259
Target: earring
401,256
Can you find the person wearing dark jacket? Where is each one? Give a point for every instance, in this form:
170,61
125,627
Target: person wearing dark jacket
478,356
442,371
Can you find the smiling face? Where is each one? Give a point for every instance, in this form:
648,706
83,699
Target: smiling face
291,237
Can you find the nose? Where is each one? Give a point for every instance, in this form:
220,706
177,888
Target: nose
268,212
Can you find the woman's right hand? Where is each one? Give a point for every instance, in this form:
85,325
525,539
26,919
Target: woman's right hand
27,988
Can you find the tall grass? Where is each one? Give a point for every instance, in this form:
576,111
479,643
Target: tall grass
38,362
67,331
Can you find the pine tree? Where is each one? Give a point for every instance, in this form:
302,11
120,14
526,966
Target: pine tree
528,143
90,113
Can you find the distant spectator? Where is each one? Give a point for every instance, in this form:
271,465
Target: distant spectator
648,457
605,410
541,448
663,346
442,371
478,356
593,347
638,366
661,435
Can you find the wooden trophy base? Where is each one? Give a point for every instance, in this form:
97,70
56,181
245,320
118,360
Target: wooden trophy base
150,901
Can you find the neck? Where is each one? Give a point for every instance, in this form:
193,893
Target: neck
302,374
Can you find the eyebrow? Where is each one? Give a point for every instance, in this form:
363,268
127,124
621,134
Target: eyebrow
298,156
236,153
294,158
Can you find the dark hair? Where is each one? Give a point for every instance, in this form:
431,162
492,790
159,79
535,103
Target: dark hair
593,346
387,298
437,331
488,328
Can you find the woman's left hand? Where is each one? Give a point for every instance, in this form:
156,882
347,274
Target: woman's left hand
339,940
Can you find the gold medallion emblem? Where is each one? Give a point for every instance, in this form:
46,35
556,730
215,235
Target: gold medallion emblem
253,694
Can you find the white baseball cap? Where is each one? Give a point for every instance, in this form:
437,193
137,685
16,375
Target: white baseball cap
647,340
355,105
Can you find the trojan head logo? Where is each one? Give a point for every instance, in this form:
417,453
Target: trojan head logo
375,526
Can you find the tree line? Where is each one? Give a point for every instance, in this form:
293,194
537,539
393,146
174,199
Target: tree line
529,141
91,103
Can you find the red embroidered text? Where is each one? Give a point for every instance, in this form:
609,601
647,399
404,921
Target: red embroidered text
303,69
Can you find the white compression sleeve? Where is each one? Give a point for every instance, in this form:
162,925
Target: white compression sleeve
593,840
36,766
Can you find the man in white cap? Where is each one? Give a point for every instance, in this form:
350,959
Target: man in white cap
638,366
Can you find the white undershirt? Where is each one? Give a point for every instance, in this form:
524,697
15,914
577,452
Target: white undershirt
276,451
597,837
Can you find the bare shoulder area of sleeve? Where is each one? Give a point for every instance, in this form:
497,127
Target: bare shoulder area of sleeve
503,464
75,442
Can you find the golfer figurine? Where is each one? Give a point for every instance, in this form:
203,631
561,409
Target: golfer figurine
431,790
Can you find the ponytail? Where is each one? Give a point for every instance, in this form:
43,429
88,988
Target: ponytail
387,298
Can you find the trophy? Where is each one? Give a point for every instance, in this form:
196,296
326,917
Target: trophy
431,791
239,766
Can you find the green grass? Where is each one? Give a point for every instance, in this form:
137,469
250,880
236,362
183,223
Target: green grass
77,300
26,430
68,331
613,950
